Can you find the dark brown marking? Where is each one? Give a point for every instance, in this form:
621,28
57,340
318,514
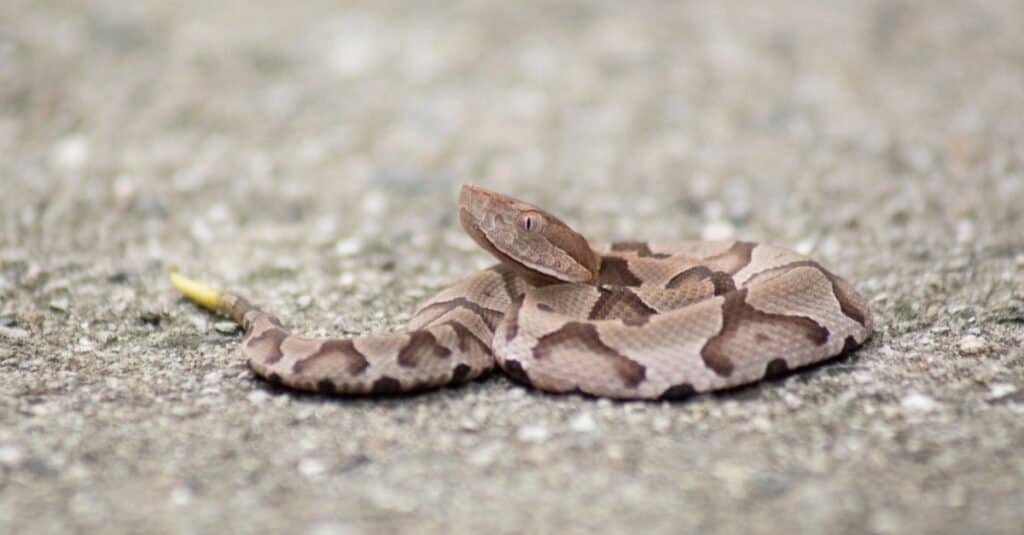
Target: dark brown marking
640,248
847,297
736,258
615,271
326,386
266,347
621,304
386,386
721,281
489,316
736,312
508,279
274,378
512,318
343,351
629,371
421,343
849,346
460,372
544,307
681,390
776,368
515,370
466,337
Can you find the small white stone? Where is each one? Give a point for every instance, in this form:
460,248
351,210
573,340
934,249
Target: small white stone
181,496
347,280
792,400
201,231
15,333
933,281
304,301
60,305
972,345
660,424
225,327
374,203
469,424
10,454
258,397
124,187
965,231
348,247
485,455
718,230
332,528
917,402
805,246
1000,390
615,452
583,422
71,152
311,467
535,434
762,424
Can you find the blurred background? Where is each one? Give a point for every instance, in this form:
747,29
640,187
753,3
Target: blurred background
309,153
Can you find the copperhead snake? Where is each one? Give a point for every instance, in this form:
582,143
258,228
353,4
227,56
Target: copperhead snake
630,320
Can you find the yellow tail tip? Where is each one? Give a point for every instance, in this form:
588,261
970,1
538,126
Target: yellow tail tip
205,295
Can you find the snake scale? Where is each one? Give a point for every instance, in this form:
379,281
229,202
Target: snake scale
629,320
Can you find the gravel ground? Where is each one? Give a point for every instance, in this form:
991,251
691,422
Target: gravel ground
308,155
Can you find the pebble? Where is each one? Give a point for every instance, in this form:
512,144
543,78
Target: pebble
311,467
71,152
805,246
792,400
1000,390
258,397
917,402
348,247
332,528
181,496
10,455
718,230
660,424
485,455
60,305
225,327
535,434
972,345
762,424
469,424
14,333
933,281
583,422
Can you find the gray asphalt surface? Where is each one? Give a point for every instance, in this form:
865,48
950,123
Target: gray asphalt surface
308,155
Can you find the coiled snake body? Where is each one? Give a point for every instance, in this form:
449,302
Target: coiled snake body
634,320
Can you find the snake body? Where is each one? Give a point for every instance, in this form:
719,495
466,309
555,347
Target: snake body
630,320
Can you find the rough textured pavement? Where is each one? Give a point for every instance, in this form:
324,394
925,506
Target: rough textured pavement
308,154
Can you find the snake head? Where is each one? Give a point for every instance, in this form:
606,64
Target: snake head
539,246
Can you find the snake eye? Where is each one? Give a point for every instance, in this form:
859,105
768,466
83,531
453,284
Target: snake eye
531,221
